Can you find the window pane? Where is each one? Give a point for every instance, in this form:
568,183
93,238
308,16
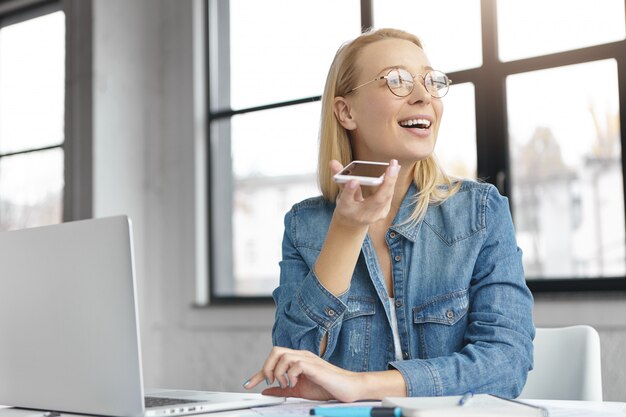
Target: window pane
456,143
286,54
566,164
31,189
560,25
32,83
449,29
265,186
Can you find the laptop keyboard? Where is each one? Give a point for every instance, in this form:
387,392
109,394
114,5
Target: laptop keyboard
162,402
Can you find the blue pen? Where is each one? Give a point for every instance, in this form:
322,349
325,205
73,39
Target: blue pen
350,411
465,398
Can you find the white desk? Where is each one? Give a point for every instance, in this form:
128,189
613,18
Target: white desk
558,408
598,407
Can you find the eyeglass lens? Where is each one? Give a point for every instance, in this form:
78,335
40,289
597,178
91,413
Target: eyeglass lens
401,82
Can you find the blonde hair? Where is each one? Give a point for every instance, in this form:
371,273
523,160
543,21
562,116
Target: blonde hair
434,185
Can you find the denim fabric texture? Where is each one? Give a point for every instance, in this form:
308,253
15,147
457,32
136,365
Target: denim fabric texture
463,308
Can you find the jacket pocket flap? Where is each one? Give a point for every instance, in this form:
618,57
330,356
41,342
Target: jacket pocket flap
359,306
443,309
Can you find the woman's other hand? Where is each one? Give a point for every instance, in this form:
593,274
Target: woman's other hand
303,374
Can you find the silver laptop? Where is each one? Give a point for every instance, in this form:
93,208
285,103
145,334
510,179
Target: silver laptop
69,333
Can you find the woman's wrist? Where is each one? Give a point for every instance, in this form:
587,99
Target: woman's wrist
378,385
347,225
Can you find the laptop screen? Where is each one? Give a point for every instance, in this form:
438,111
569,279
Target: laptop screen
68,319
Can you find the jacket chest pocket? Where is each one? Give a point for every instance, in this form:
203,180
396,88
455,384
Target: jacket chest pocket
356,330
441,323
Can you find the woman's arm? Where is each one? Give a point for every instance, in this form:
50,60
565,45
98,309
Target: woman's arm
309,302
348,228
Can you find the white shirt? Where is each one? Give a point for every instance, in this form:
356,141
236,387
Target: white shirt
394,330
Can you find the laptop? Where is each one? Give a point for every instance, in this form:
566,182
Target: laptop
69,329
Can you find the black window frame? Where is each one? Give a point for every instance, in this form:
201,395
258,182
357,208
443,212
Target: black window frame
492,143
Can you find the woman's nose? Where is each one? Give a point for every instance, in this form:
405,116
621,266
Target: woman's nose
419,93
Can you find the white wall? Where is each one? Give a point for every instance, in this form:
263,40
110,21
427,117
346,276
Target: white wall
145,151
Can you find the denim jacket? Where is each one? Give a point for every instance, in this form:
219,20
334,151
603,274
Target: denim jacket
464,311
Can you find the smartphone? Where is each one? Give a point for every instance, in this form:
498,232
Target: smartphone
364,172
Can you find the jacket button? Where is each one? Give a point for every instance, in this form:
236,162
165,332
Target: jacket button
397,258
330,312
449,314
398,303
392,235
405,355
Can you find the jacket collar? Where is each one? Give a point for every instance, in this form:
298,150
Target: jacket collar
408,229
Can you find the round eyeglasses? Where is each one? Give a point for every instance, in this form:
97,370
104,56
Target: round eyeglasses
401,82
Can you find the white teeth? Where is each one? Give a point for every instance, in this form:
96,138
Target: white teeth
421,123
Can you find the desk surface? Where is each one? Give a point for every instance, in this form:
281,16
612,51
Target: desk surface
295,408
614,407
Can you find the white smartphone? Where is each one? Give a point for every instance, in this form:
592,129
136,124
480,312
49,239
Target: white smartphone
364,172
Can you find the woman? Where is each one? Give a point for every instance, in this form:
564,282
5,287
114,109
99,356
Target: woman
414,287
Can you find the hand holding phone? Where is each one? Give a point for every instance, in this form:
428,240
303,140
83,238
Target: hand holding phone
363,172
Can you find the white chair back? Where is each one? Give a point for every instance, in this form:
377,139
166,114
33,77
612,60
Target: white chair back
567,365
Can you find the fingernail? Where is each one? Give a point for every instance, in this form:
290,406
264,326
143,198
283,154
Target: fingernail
267,381
352,184
245,384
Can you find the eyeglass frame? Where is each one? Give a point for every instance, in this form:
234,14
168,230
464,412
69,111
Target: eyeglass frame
423,76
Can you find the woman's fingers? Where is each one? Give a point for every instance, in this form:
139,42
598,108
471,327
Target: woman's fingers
276,367
303,374
391,175
384,194
296,369
351,191
290,366
387,188
303,387
254,380
335,166
267,371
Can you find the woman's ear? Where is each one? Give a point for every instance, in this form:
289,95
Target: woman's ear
343,114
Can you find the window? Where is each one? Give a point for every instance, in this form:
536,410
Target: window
557,27
535,112
266,78
566,167
32,100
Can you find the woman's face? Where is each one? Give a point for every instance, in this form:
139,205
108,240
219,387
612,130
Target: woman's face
382,125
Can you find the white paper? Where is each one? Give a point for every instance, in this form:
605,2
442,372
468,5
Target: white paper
301,408
561,408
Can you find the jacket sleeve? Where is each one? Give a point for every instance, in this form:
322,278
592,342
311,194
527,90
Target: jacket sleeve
498,349
305,309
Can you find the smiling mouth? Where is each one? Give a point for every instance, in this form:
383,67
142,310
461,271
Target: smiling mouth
416,123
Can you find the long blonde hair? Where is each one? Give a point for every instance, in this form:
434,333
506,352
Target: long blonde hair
434,185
